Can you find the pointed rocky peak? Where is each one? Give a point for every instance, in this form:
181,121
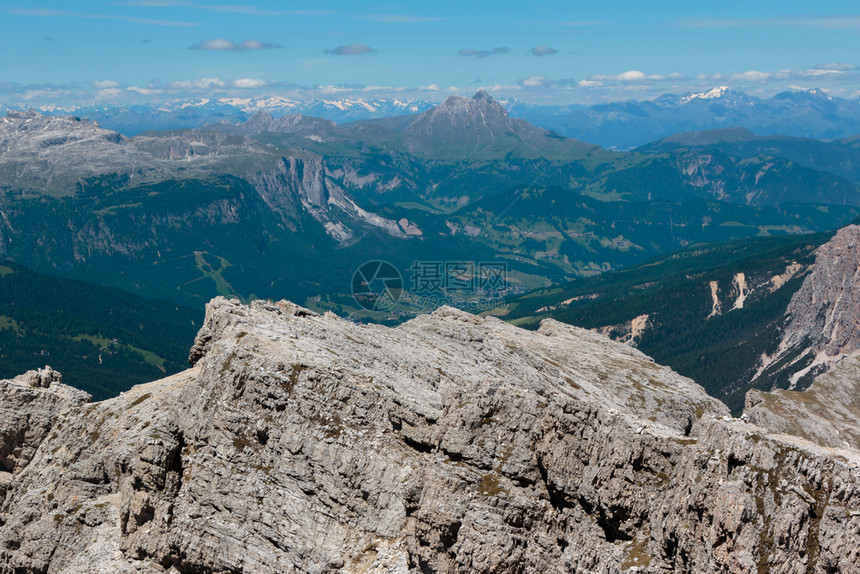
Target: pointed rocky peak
480,127
483,96
260,118
806,100
479,104
467,125
713,93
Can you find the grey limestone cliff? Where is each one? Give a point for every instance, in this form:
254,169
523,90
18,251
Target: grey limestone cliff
306,443
823,317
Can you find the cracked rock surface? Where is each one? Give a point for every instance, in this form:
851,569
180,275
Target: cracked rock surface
306,443
827,413
823,317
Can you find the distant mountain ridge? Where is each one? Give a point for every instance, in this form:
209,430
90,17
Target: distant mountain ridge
625,125
617,125
838,157
180,114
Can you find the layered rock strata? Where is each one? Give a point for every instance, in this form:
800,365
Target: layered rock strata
306,443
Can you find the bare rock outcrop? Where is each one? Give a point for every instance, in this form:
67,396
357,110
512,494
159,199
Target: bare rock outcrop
827,413
306,443
823,322
29,407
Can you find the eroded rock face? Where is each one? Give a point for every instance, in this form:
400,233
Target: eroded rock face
827,413
61,156
29,406
305,443
823,322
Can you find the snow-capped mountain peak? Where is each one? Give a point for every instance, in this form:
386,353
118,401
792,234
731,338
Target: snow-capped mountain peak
712,94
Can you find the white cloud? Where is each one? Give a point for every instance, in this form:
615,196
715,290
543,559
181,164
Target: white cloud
630,76
37,94
329,90
198,84
542,50
143,91
108,93
751,76
500,88
823,72
843,66
661,78
817,72
535,81
249,83
105,84
350,50
220,44
484,53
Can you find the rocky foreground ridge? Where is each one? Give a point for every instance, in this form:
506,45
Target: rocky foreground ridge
305,443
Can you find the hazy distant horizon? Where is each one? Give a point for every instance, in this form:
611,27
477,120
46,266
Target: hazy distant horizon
254,102
145,51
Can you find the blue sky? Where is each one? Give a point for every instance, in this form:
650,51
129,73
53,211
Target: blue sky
551,52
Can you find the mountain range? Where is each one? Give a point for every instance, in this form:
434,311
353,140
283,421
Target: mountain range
624,125
178,114
616,125
290,206
305,440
